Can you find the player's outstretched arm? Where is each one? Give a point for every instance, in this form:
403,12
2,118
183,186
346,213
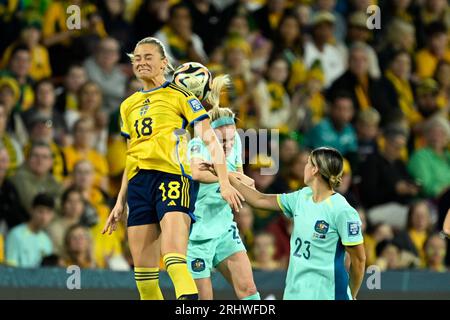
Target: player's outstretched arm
229,194
254,197
200,174
357,266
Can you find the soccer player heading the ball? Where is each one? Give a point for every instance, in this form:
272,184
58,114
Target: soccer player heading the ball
156,183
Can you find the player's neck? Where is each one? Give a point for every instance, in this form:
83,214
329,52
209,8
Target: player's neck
320,191
153,83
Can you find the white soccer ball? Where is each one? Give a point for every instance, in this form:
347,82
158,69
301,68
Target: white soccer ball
194,77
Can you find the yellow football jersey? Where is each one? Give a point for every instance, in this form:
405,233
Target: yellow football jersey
154,122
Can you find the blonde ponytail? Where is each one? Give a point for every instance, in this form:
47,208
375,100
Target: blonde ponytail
213,98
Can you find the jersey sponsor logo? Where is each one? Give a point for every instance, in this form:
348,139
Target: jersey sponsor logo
353,228
195,104
198,265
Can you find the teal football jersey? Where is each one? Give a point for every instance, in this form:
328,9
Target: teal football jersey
212,212
321,230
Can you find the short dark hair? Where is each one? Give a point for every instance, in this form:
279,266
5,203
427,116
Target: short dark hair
394,131
39,144
44,200
435,28
340,95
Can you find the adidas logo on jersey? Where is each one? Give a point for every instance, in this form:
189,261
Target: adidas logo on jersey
172,203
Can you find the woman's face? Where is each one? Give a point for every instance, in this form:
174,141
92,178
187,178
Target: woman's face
279,71
78,240
437,138
75,79
31,36
73,206
226,135
84,176
235,57
435,250
420,219
298,169
290,29
401,66
148,63
443,75
239,26
90,98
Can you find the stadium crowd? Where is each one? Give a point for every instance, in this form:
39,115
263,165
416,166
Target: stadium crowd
312,70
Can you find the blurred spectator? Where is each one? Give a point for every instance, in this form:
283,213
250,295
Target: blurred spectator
367,129
105,247
72,209
435,10
44,104
431,165
291,177
35,175
418,228
311,99
260,46
257,164
82,148
8,142
340,28
9,95
181,43
442,77
267,18
345,188
89,107
384,177
427,92
398,74
369,241
67,94
359,33
400,37
40,61
116,26
336,130
205,17
365,90
27,243
436,49
102,68
11,212
289,147
244,220
18,68
388,256
288,42
78,247
239,95
321,49
42,131
281,230
263,251
151,16
435,249
72,44
272,99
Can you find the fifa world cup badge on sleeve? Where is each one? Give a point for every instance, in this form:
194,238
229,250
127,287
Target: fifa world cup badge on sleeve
353,228
195,105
